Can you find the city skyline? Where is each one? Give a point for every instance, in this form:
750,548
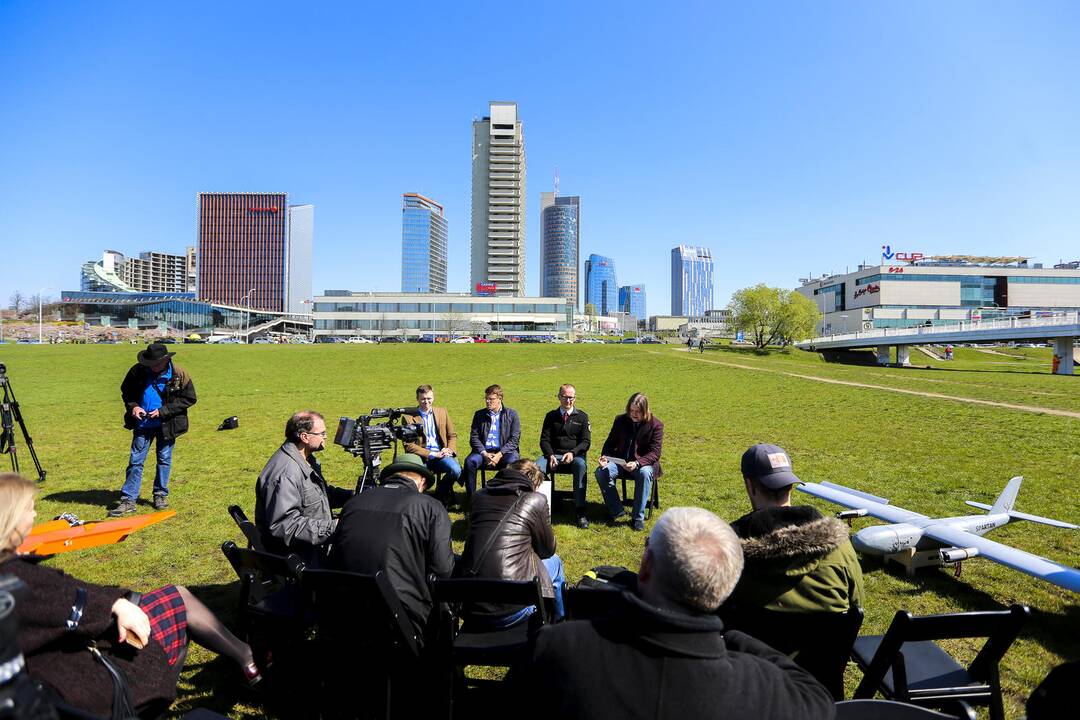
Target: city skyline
423,245
929,128
560,246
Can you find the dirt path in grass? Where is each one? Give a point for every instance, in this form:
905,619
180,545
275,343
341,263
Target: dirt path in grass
995,352
886,388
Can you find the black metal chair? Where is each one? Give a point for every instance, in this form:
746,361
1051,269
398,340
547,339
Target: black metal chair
905,664
892,710
270,602
366,645
819,642
251,533
561,495
462,644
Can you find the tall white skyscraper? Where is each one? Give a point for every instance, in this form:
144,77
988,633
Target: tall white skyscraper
498,203
301,239
691,280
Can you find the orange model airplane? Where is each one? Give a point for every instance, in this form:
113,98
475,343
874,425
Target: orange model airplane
59,536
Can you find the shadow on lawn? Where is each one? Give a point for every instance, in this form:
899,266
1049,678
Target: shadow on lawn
90,497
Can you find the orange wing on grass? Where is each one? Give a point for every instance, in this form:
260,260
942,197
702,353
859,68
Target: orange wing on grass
56,536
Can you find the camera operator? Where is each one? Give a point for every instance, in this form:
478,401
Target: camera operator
292,500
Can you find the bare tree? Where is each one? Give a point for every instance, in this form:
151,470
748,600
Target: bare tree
18,302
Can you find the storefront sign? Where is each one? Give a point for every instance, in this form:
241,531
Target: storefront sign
888,254
870,289
486,288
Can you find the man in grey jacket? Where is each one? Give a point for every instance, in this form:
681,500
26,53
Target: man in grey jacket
292,500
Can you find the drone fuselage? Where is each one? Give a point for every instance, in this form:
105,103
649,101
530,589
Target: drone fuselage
887,539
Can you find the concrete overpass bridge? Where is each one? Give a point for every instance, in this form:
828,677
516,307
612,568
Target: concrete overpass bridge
1060,328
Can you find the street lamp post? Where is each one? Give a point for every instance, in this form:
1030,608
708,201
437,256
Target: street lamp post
39,300
245,324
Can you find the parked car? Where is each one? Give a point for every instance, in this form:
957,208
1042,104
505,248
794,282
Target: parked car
299,340
531,339
463,340
262,340
26,341
230,341
392,339
357,340
498,340
651,341
167,340
630,341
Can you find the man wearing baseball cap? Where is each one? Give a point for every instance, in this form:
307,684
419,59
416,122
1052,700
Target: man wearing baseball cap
797,560
157,394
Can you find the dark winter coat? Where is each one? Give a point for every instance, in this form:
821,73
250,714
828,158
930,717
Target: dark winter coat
525,537
397,529
643,446
644,662
60,657
179,396
509,430
796,560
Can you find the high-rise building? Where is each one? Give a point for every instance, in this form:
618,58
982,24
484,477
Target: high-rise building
632,300
691,281
560,231
255,251
150,272
423,245
192,272
498,203
600,287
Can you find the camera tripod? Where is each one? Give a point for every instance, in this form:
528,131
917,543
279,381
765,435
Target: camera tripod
9,415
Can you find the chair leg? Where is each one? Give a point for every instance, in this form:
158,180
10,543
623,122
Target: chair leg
997,706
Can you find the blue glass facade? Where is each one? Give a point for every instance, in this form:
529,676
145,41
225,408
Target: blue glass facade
180,311
600,287
691,281
632,300
561,242
423,245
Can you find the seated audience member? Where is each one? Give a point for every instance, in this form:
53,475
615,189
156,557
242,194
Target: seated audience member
61,617
437,444
292,500
797,560
494,438
510,538
396,528
663,653
564,441
638,439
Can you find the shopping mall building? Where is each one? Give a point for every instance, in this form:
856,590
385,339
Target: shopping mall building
914,290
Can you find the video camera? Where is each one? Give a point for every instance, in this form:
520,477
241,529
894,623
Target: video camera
366,441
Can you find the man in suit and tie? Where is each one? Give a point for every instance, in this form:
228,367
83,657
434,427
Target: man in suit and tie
494,438
564,442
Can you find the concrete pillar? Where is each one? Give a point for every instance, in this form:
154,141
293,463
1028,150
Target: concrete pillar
883,355
1063,349
902,355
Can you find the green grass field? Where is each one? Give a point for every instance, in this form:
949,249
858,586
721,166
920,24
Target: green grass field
927,454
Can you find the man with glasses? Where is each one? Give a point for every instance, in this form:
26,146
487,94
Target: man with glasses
292,500
437,446
494,438
564,442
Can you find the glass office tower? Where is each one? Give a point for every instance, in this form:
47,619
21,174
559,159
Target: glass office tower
691,281
600,287
423,245
632,300
560,246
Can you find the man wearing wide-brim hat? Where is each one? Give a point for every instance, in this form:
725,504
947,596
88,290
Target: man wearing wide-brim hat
398,529
157,394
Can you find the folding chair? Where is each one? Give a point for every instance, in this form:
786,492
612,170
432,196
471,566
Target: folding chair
892,710
819,642
654,495
270,597
463,646
365,641
247,527
906,665
561,495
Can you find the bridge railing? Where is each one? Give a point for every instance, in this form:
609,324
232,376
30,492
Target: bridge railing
1009,323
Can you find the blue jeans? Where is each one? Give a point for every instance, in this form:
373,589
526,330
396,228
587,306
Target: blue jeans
451,472
474,462
140,447
578,467
643,479
558,580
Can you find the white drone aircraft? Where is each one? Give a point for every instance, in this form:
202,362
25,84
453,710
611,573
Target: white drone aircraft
957,538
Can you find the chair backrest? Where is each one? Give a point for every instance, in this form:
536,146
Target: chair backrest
819,642
260,572
891,710
465,591
247,527
350,605
999,627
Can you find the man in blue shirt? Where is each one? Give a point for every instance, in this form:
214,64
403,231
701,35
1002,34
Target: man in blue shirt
156,396
437,447
494,438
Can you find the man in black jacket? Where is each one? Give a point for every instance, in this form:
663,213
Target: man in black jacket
564,442
663,653
157,395
398,529
494,438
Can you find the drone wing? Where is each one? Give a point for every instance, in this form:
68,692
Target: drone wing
1034,565
874,506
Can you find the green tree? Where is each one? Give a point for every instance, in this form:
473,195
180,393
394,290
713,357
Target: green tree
590,310
773,316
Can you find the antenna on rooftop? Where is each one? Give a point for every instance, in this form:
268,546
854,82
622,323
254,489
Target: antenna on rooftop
556,182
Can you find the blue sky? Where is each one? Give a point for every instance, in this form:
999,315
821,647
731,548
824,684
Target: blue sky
789,137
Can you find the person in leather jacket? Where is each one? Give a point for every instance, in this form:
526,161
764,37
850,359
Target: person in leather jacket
511,538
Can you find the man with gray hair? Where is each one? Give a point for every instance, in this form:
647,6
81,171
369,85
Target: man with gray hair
292,500
663,651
